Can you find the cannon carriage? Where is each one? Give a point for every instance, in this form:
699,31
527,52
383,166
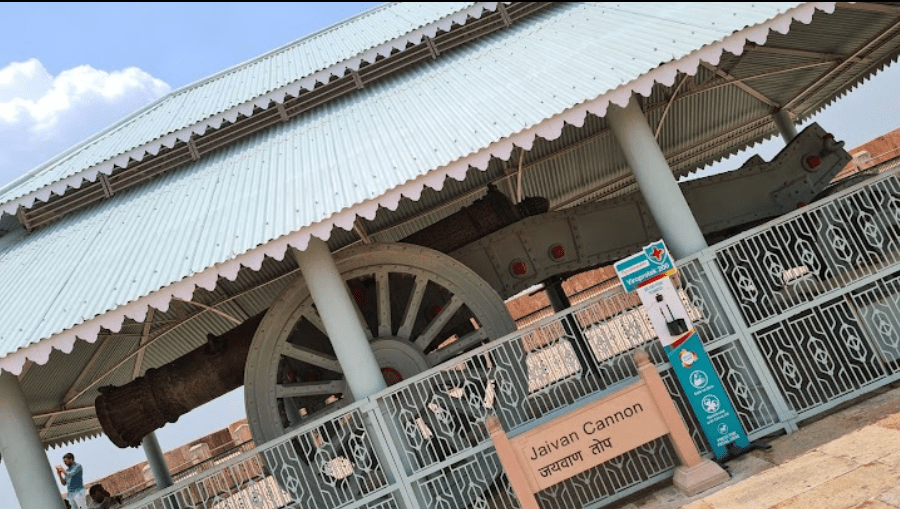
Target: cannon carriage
440,292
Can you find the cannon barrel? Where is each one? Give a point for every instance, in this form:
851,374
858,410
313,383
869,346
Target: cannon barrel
492,212
132,411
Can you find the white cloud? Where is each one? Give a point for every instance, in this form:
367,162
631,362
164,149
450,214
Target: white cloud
42,115
23,80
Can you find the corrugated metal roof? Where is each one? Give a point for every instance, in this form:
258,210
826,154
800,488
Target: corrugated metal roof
543,84
346,153
287,70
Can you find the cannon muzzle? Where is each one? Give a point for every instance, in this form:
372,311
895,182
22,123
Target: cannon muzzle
132,411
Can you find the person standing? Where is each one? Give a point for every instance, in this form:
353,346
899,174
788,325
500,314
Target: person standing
70,477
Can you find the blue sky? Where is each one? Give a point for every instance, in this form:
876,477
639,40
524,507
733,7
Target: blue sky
68,70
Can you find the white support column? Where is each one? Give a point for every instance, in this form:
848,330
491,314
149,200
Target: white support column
785,125
658,186
157,461
329,292
32,475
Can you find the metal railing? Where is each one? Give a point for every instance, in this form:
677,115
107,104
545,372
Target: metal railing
798,315
180,473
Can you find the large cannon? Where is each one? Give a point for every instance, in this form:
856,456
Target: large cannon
441,291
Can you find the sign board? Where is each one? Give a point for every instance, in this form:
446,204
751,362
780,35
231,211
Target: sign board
707,397
650,264
599,432
588,437
690,362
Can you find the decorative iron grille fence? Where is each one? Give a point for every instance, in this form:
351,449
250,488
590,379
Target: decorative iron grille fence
817,297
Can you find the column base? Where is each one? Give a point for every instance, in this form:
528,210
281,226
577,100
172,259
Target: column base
691,481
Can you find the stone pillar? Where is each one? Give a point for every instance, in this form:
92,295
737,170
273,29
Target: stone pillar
785,125
32,476
658,186
156,460
338,313
696,473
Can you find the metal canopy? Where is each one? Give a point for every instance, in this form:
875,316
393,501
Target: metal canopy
205,105
142,276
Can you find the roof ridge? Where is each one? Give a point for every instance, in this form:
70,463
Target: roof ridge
192,126
285,47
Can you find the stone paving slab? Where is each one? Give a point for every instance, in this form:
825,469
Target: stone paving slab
891,422
845,492
865,445
847,460
874,504
778,484
890,498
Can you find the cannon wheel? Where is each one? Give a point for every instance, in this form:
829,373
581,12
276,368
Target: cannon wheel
419,308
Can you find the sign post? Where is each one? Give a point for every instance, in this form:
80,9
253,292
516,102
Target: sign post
598,432
648,272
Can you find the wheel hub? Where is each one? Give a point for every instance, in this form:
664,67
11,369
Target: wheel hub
391,376
398,359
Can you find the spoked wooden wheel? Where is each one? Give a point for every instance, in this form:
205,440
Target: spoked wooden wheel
418,307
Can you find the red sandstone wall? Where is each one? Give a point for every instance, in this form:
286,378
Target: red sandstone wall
881,149
532,307
137,477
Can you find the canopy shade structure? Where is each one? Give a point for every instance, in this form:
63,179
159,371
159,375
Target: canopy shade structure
124,252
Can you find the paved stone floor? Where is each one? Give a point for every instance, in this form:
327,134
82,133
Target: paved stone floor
849,459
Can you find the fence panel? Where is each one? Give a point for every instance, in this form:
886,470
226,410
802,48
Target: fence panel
328,464
817,293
